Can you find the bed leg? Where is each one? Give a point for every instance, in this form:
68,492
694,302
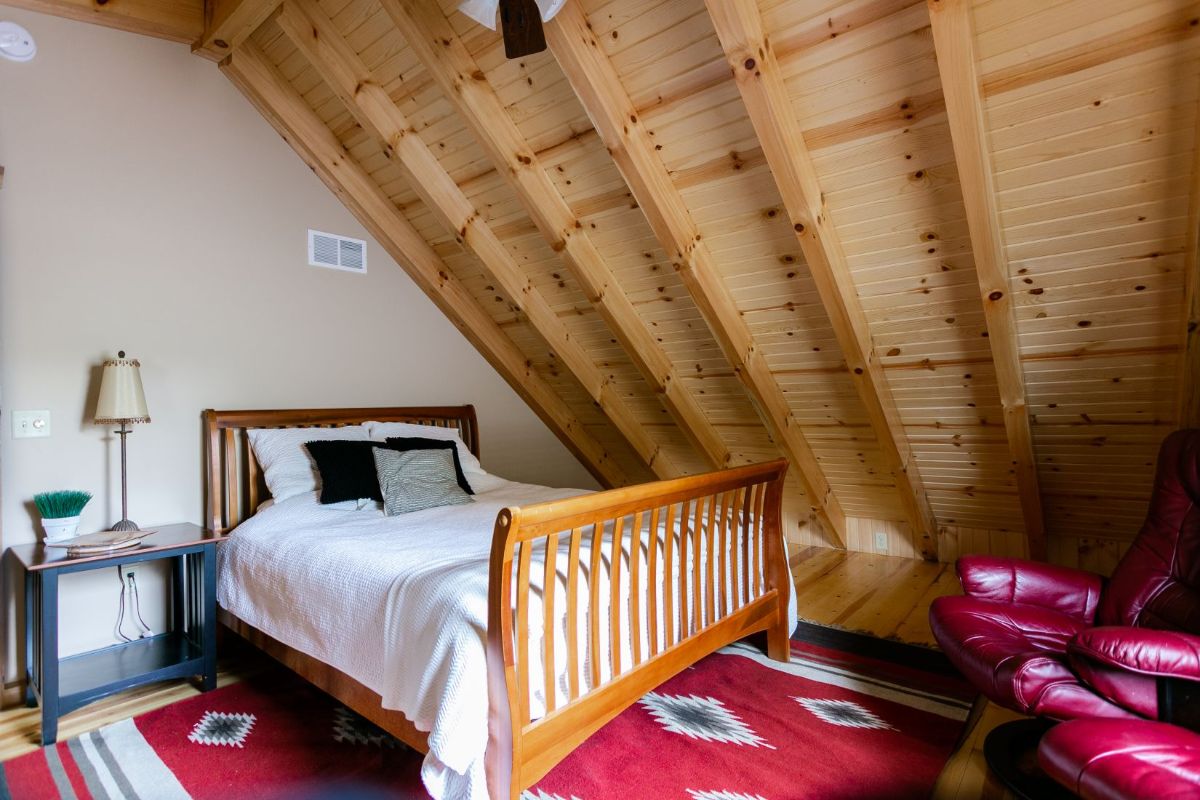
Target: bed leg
779,647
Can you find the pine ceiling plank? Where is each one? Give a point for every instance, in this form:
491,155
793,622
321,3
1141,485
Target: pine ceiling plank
228,23
314,34
302,129
955,46
467,88
174,20
1188,413
599,88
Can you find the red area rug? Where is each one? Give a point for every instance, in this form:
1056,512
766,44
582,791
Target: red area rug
830,725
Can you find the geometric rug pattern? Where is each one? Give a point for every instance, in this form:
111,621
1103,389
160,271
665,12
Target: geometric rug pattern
736,726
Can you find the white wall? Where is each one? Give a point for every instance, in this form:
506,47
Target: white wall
146,206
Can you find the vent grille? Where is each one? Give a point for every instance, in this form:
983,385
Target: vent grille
336,252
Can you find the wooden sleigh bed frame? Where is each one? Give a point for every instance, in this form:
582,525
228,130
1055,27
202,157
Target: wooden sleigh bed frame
731,519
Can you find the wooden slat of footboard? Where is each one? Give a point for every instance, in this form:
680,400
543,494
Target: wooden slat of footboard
549,584
522,635
668,578
697,556
594,603
652,582
635,589
573,613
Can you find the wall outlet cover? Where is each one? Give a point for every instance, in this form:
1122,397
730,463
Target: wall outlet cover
881,541
31,424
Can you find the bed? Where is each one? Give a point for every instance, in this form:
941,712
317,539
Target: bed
643,582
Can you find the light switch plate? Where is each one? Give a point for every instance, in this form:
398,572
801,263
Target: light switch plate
31,424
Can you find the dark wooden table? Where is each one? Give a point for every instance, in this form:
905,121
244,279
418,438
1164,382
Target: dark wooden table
188,650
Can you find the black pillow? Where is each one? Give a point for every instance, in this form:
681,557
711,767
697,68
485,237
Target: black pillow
347,469
421,443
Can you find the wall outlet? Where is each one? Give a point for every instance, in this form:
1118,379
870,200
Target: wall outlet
881,541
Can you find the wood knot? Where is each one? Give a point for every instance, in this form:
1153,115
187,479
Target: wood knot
799,226
858,370
221,43
994,296
750,63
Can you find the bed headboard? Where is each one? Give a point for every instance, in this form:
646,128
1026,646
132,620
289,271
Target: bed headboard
234,485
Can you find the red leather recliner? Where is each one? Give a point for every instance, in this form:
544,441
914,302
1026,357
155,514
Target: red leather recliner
1008,634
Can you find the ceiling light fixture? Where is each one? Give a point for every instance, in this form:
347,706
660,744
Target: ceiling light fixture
16,43
520,21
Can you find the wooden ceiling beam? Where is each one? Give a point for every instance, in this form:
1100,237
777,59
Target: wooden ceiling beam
465,85
1189,354
300,127
756,71
607,102
954,43
174,20
228,23
318,39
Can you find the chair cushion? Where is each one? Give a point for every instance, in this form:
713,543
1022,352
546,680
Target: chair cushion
1017,656
1105,759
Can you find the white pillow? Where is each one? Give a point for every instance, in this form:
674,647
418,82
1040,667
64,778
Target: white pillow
379,431
287,467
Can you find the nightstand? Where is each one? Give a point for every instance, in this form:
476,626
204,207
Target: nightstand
188,650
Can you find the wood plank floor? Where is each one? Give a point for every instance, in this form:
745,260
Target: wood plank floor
883,596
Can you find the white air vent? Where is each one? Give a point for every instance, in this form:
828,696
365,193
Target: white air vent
336,252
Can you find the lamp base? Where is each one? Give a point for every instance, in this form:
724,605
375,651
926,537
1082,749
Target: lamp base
125,525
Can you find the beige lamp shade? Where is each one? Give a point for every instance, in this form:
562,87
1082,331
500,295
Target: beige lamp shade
121,396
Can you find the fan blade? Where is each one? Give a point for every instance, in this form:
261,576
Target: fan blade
521,24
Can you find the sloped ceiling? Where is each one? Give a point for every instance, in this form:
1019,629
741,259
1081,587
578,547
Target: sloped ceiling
940,254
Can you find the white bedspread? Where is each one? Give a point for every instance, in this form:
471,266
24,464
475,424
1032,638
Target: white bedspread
400,605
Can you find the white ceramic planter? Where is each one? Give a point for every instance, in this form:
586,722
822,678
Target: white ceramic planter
60,528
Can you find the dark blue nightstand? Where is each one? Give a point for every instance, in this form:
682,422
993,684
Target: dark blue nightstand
188,650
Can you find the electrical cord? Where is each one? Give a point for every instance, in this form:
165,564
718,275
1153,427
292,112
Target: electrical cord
144,629
118,632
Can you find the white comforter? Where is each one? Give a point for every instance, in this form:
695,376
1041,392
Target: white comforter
400,605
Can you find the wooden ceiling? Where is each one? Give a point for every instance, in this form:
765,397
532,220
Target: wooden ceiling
941,254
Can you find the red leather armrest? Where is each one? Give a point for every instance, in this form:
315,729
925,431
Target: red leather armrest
1073,592
1125,664
1163,654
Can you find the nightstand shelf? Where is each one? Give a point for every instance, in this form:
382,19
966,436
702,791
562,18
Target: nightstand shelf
188,650
90,676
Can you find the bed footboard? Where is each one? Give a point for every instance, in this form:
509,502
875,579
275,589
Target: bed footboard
663,574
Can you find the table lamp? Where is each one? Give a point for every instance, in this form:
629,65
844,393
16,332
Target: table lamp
122,402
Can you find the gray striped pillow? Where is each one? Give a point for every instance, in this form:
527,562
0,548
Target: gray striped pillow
413,480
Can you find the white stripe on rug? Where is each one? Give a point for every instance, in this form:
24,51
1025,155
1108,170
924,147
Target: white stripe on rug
136,763
833,676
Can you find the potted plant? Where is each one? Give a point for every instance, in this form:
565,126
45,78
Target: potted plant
60,512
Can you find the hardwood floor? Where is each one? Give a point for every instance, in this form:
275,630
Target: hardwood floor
884,596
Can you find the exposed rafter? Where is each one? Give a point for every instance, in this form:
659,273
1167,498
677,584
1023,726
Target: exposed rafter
465,85
175,20
759,79
1189,355
598,86
954,41
315,35
227,23
274,97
